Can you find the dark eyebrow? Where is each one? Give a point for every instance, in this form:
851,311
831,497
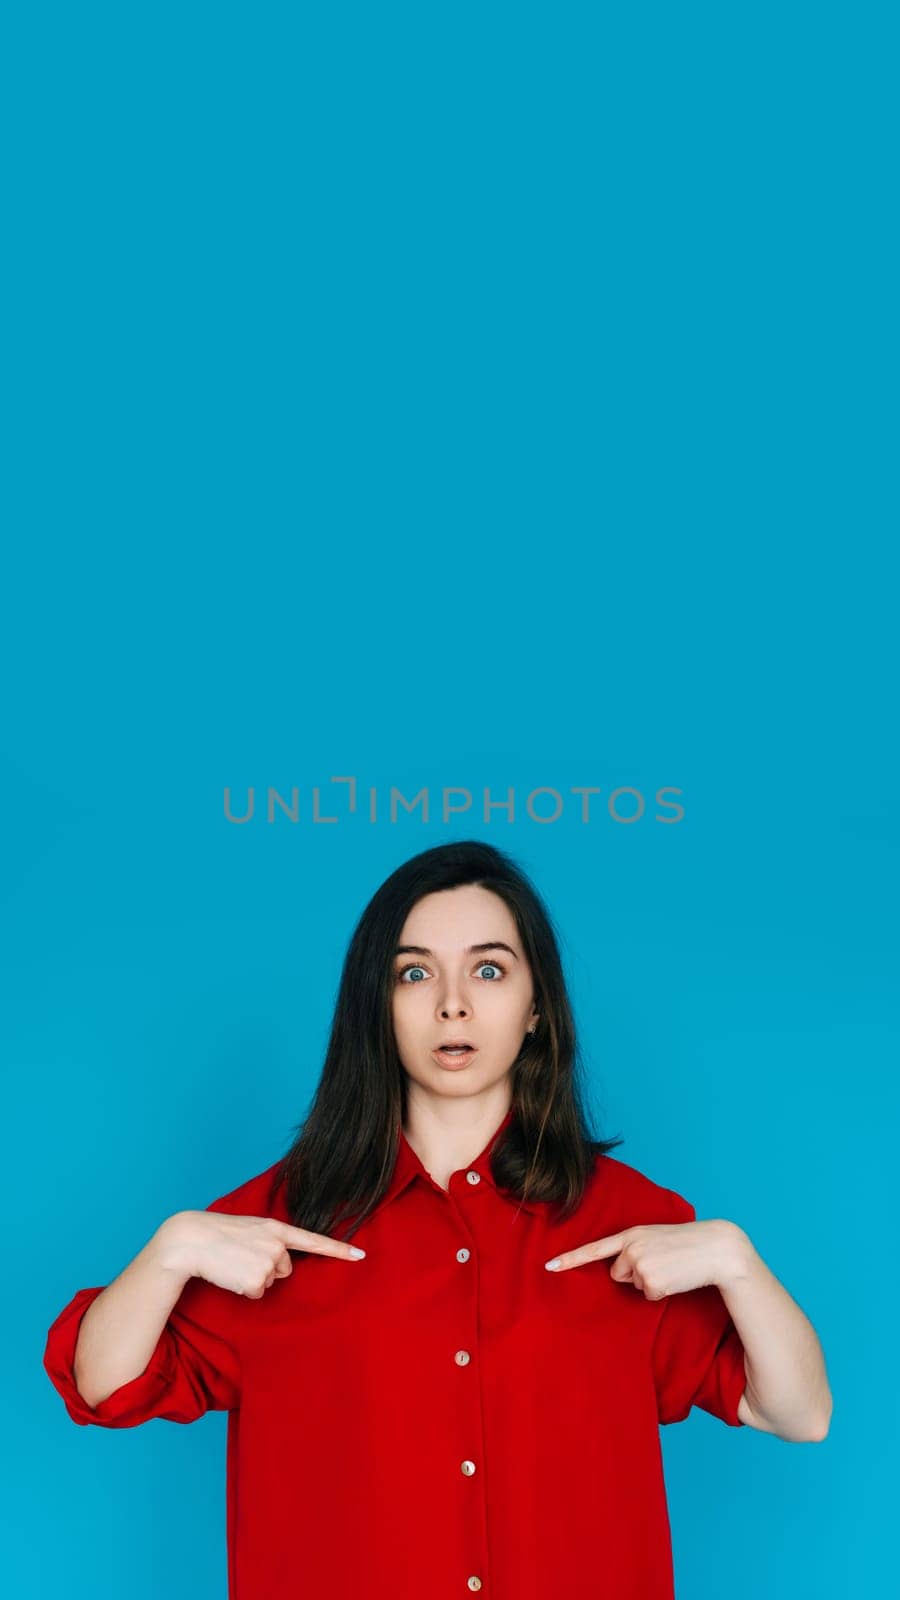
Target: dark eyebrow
419,949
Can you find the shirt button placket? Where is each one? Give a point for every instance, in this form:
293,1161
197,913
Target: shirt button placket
463,1358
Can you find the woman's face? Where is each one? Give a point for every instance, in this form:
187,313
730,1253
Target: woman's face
467,978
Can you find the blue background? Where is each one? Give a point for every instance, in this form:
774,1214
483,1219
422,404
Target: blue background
496,397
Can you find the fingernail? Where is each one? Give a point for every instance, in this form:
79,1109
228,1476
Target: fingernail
355,1253
552,1265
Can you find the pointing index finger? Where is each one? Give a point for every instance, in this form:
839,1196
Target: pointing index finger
610,1246
320,1244
597,1250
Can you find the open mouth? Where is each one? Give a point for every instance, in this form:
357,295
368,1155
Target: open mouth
455,1055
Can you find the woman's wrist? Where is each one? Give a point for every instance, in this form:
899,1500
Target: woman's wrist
174,1245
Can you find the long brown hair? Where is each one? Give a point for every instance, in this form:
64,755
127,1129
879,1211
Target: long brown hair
342,1159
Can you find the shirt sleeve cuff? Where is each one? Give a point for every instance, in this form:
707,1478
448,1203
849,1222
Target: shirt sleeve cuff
127,1405
730,1379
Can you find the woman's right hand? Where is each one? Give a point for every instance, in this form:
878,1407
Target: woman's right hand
243,1254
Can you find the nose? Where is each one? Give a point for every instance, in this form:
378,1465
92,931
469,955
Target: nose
450,1010
454,1004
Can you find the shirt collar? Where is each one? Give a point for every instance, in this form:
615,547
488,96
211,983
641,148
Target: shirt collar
408,1167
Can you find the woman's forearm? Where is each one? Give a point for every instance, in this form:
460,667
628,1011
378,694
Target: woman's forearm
787,1382
121,1328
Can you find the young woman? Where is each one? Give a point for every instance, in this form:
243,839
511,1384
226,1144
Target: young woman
468,1398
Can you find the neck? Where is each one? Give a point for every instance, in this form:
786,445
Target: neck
446,1134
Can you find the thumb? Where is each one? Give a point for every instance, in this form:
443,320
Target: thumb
284,1265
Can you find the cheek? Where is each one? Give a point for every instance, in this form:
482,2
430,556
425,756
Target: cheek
408,1013
507,1009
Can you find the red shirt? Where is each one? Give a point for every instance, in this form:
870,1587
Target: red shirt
446,1416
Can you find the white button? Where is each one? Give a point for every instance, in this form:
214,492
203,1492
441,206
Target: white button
474,1177
462,1358
463,1254
474,1583
467,1468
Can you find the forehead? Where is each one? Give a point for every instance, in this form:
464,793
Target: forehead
455,918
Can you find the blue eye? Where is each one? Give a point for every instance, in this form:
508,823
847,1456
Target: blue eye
414,966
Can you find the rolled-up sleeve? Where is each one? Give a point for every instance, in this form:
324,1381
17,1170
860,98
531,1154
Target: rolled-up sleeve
194,1368
698,1357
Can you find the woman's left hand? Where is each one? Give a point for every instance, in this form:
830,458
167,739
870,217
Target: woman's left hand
663,1258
